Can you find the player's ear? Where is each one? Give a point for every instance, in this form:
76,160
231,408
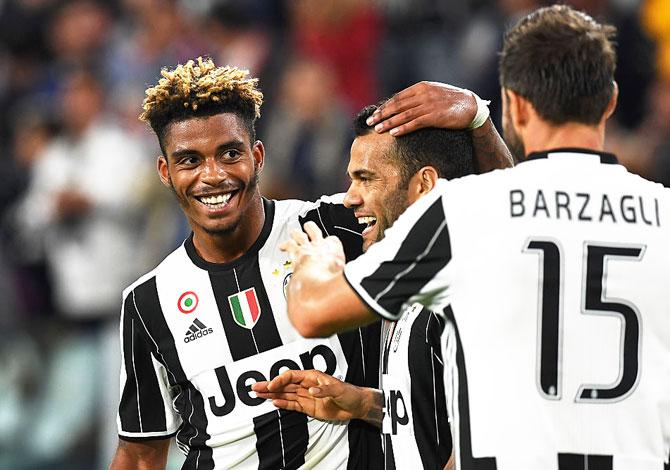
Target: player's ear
258,152
611,106
163,171
422,182
519,109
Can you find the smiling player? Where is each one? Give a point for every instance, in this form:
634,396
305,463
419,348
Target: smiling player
211,320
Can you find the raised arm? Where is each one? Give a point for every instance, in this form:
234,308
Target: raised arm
141,455
434,104
320,301
322,396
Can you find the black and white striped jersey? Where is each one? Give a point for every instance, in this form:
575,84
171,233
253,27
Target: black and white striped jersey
554,278
416,426
196,335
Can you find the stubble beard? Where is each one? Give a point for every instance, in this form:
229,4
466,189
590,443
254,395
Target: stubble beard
513,141
395,205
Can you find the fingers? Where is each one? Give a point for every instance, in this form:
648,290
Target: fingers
284,379
288,405
260,387
394,106
290,247
405,122
313,231
299,237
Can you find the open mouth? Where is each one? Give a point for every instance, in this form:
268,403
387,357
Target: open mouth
369,222
217,201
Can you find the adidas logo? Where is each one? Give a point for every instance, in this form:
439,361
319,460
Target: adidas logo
196,330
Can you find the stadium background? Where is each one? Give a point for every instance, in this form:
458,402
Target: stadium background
67,67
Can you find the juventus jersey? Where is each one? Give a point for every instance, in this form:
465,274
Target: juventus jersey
196,335
416,427
554,278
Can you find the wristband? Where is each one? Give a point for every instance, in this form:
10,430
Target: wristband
482,113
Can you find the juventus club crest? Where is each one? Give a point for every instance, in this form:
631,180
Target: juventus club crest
245,308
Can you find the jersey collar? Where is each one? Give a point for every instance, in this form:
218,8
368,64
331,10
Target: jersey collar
607,158
269,207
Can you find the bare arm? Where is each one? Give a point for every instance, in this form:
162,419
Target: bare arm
451,463
434,104
145,455
322,396
490,149
320,301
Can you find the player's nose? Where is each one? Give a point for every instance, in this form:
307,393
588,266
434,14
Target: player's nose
353,197
213,171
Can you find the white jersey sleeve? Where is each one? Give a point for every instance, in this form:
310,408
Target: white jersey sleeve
145,409
410,264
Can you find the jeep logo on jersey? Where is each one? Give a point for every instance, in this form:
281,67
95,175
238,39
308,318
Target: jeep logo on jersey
187,302
245,379
245,308
396,412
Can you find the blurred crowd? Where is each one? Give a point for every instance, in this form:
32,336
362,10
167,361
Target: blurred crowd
82,212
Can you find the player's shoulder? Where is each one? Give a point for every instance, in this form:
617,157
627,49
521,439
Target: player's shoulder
647,185
290,208
476,182
173,263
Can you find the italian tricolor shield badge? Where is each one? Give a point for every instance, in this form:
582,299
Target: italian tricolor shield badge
245,308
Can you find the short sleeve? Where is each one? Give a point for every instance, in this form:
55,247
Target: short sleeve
145,409
408,265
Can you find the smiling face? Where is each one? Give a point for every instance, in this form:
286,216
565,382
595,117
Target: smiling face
374,193
212,167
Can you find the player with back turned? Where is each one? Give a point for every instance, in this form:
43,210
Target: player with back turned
552,275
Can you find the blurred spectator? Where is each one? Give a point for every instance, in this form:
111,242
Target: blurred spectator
344,34
656,20
319,61
306,135
82,210
422,42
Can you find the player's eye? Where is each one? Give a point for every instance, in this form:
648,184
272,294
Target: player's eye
188,160
231,154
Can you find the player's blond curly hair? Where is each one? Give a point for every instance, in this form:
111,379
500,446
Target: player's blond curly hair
199,88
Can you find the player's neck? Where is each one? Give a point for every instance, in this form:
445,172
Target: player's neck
544,137
227,247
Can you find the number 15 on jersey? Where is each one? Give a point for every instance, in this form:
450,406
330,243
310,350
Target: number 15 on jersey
596,257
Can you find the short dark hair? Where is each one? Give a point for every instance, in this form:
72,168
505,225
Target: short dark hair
449,151
199,89
563,62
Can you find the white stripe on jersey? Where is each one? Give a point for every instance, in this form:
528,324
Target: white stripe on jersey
201,357
609,281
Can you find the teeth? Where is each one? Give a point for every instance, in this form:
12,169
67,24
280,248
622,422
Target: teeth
367,220
216,200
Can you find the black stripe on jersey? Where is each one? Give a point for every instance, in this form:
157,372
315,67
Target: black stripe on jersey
335,219
389,456
584,462
428,241
141,409
281,439
245,342
189,401
607,158
429,407
467,461
361,349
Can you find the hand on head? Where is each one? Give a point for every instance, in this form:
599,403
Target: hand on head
425,104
